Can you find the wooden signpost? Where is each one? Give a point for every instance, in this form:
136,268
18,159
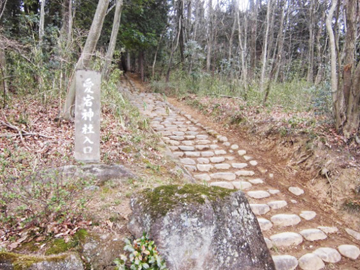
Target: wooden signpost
87,116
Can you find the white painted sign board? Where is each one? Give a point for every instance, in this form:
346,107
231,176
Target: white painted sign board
87,116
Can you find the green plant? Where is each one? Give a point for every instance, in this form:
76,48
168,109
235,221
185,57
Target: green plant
143,254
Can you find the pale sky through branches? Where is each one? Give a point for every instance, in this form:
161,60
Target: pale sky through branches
243,5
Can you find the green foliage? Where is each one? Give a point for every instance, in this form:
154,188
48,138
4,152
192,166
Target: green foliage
142,22
37,199
143,254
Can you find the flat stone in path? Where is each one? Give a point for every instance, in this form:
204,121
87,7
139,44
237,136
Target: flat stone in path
244,173
222,166
313,234
274,191
308,215
223,185
214,146
328,230
264,224
178,154
186,148
259,209
258,194
188,161
277,204
202,137
311,262
203,177
203,142
207,154
286,239
285,262
223,175
172,142
242,185
222,139
285,220
239,165
349,251
202,147
256,181
296,191
234,147
327,254
248,157
204,167
353,233
188,143
192,154
177,138
217,159
253,162
191,168
241,152
203,160
220,152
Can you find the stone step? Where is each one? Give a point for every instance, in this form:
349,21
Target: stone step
285,220
285,262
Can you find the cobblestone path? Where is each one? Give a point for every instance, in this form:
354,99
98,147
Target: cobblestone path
297,239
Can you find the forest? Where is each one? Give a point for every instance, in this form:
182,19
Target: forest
237,48
280,79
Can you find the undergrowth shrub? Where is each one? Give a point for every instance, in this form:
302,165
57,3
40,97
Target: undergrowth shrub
142,254
34,200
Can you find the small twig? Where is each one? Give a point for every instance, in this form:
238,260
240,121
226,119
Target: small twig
22,132
331,186
304,159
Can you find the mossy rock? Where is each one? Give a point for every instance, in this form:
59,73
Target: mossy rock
162,199
9,260
59,245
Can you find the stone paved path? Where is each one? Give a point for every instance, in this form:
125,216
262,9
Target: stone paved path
297,239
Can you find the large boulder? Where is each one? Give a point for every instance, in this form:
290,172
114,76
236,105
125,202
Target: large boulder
198,227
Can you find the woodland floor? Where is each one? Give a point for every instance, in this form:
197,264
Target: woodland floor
295,158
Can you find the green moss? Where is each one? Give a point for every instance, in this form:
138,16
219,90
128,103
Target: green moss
81,235
59,246
164,198
22,262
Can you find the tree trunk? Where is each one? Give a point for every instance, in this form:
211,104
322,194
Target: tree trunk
209,37
70,25
113,37
253,37
141,65
42,22
128,60
264,56
280,43
242,46
310,73
3,76
351,73
319,52
89,48
338,100
2,8
172,55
